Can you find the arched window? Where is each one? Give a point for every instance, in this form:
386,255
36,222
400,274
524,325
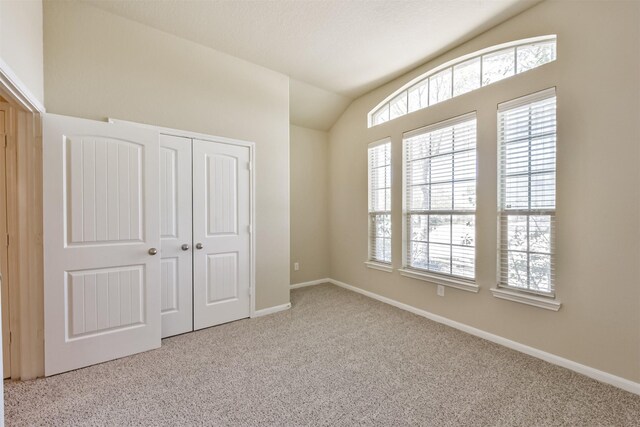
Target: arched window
465,74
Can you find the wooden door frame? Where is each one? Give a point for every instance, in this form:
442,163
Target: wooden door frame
24,223
5,108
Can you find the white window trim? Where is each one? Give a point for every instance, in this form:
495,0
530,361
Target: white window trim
546,301
450,281
372,263
527,99
442,124
452,63
379,266
382,141
526,298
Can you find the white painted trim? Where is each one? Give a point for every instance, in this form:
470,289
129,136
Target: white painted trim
252,224
271,310
309,283
472,115
596,374
379,142
452,282
370,147
379,266
252,179
18,90
524,298
527,99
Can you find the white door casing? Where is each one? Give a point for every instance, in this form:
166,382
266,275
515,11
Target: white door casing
221,225
101,218
176,235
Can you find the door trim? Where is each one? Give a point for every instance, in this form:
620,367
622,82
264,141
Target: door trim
252,185
24,153
18,91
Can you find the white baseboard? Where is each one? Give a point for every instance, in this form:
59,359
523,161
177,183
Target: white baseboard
596,374
311,283
271,310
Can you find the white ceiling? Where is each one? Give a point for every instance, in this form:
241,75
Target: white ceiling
343,47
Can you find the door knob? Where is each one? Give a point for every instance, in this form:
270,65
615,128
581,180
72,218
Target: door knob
184,247
199,246
153,251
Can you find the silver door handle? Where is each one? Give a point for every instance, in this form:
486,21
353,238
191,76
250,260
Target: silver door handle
153,251
184,247
199,246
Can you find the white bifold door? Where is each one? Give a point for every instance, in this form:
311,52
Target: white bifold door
205,231
176,268
102,237
221,233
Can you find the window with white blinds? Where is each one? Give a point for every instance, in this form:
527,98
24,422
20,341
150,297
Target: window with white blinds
440,198
380,201
527,187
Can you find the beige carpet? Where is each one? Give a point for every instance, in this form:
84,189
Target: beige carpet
335,358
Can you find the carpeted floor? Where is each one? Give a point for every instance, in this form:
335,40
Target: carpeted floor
335,358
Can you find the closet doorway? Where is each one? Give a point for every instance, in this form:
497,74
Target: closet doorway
205,225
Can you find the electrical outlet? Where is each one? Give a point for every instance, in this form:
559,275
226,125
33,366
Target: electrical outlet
296,266
440,290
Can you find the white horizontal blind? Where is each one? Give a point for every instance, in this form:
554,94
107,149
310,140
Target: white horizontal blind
440,197
527,199
380,201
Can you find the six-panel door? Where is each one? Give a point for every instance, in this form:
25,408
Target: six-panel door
221,233
101,226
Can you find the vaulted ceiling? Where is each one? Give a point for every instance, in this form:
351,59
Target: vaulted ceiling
333,50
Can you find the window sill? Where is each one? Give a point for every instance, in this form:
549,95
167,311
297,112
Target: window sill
523,298
464,285
379,266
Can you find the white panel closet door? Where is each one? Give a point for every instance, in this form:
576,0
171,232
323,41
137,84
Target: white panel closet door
175,234
221,218
101,221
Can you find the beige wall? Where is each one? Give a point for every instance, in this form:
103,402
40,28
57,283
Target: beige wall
309,204
98,65
598,206
21,42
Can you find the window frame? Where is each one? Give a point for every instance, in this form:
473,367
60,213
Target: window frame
515,45
372,261
451,280
503,289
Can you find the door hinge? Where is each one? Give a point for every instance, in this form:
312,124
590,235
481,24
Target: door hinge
249,291
249,165
7,240
250,228
6,141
